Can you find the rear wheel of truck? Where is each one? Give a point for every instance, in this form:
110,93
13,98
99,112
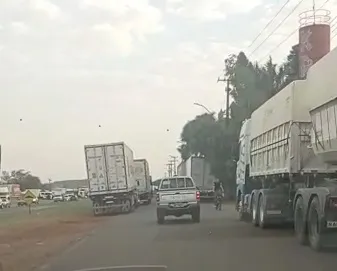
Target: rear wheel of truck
127,206
299,222
255,215
314,225
196,216
96,209
160,217
262,213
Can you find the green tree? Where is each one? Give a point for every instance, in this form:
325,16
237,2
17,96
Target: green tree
251,85
22,177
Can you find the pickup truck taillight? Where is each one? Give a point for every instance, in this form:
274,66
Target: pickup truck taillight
157,196
197,194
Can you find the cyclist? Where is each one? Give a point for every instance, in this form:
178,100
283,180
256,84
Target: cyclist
218,191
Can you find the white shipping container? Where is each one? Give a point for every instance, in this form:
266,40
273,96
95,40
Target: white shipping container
142,175
109,168
181,168
200,171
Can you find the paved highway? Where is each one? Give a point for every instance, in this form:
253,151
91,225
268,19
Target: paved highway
217,243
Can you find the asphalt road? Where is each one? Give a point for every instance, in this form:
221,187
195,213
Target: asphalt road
218,242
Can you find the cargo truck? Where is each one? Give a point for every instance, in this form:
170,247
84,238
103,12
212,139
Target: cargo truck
287,166
143,180
200,171
110,170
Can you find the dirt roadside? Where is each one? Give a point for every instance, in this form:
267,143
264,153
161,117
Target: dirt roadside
28,245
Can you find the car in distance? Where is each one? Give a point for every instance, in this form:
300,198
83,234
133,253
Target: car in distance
178,196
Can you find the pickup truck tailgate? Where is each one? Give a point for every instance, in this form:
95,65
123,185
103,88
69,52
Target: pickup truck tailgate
177,196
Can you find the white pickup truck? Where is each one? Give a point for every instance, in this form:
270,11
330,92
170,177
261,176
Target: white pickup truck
178,196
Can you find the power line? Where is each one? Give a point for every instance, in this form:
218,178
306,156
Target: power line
277,27
334,36
269,23
277,46
294,31
324,3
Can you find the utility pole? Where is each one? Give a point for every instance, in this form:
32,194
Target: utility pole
169,169
227,96
174,161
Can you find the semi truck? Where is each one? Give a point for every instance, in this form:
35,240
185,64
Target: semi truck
110,171
200,171
143,180
287,166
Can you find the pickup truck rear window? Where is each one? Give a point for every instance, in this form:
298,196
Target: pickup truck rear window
177,183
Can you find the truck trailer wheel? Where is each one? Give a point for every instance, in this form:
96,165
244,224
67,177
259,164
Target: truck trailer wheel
96,209
127,206
262,213
300,223
314,226
255,214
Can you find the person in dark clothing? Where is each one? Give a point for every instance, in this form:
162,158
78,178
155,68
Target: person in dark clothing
218,190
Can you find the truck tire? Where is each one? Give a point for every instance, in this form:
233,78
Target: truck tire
300,225
255,214
96,209
261,213
127,206
196,216
314,225
160,217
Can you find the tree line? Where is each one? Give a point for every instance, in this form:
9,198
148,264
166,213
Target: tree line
214,137
22,177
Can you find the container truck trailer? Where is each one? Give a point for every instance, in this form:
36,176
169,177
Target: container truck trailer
287,166
143,180
200,171
110,170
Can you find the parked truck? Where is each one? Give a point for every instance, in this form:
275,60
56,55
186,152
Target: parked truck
200,171
143,180
112,185
287,167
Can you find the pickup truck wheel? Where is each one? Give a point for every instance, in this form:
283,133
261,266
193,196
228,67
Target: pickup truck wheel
160,217
255,215
314,226
196,216
300,223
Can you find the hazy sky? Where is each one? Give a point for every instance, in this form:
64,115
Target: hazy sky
135,67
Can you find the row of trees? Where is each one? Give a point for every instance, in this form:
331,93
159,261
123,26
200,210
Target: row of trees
214,137
22,177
